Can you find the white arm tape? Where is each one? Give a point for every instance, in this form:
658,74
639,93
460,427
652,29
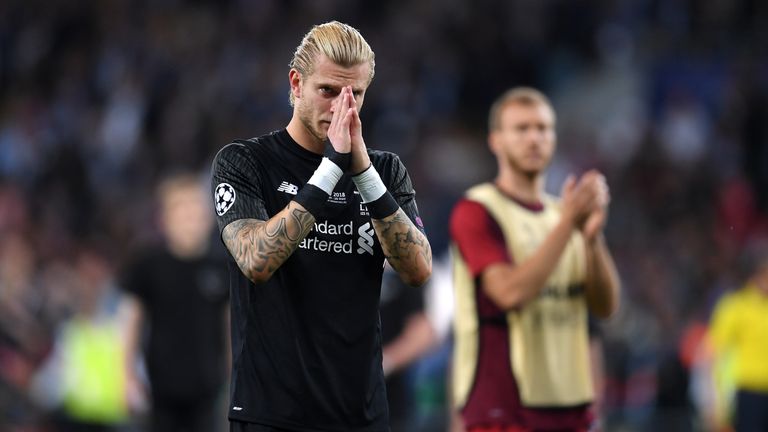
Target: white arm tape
369,185
326,175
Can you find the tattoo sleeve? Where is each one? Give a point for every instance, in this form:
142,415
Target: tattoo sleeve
261,247
406,248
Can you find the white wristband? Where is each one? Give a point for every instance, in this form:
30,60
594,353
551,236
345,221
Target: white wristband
369,185
326,175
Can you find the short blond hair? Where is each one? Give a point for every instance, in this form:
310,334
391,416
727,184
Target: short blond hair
341,43
526,96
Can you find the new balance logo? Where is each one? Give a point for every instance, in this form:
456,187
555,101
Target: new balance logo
365,241
288,188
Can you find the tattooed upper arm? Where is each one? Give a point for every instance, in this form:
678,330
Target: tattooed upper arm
238,238
260,247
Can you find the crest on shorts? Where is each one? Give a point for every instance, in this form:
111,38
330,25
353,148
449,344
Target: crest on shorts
224,197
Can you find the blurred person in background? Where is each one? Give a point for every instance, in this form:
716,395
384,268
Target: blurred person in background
528,269
83,381
25,340
176,294
738,334
309,236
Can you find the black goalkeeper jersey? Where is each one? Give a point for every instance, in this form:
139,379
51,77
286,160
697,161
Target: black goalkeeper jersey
307,343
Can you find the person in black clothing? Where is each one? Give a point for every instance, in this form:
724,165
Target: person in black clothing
179,291
308,237
406,335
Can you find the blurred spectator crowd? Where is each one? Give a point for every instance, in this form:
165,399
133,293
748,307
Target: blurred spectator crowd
99,99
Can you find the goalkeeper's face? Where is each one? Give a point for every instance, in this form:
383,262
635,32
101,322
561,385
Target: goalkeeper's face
314,93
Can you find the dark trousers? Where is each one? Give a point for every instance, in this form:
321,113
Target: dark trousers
751,411
198,416
63,422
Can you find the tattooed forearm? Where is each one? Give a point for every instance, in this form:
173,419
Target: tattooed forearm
261,247
406,248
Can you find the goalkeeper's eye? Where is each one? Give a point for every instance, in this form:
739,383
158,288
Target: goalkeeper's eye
328,91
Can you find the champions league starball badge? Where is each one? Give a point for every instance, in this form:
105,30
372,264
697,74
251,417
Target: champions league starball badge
224,196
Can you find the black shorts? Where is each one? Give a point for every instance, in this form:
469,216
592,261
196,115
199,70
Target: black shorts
238,426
